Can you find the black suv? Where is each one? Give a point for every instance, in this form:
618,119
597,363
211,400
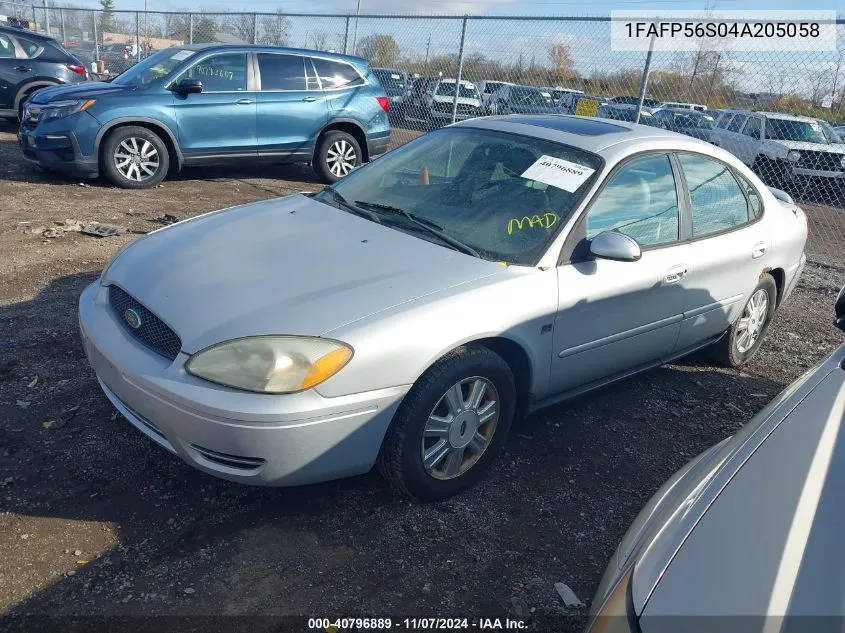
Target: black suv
29,61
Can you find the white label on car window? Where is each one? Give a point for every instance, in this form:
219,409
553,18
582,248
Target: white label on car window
816,127
395,76
181,55
559,173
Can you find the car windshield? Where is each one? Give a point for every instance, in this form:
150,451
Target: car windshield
528,96
795,130
502,195
390,79
156,66
447,89
492,86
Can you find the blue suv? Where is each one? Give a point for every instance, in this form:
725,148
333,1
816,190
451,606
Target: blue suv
211,104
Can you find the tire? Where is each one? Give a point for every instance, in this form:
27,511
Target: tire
123,153
464,460
338,153
733,350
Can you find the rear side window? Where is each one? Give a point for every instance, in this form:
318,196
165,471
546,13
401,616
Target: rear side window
640,201
755,206
29,47
336,74
281,72
724,120
7,49
736,123
718,203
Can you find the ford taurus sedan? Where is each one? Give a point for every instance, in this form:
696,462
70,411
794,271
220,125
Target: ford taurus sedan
751,527
406,315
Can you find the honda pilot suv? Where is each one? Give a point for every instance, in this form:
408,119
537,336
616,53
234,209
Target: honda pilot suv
211,104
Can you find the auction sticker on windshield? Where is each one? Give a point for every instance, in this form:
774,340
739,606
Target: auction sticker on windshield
559,173
181,55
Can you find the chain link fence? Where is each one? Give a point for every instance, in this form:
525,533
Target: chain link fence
778,111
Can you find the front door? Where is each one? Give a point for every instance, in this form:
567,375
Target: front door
613,316
291,107
729,248
218,123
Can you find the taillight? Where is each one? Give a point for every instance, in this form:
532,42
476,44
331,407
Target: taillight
384,102
79,70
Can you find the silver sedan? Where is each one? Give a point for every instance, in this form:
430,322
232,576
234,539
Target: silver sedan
748,535
408,314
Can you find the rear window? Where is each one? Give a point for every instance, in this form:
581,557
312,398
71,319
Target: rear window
31,47
281,72
448,90
736,123
336,74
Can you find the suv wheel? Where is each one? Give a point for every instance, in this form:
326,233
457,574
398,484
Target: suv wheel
134,158
337,154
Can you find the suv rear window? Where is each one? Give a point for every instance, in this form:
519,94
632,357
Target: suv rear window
281,72
736,123
336,74
30,47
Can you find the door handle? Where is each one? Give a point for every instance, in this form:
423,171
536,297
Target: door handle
676,273
23,69
243,101
759,250
309,99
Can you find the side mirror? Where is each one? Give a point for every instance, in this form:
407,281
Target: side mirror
188,86
840,310
616,246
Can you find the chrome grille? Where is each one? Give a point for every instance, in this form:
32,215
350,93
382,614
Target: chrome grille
152,331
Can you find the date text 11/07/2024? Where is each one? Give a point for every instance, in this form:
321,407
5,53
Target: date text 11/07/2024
341,625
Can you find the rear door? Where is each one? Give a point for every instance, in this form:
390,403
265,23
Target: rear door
729,247
732,140
751,132
218,124
291,106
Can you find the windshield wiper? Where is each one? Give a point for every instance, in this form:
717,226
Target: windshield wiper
431,227
342,203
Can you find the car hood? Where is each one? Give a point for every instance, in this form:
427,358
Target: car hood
284,266
86,90
803,146
461,100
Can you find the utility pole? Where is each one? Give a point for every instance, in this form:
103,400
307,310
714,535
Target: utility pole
355,33
427,47
713,77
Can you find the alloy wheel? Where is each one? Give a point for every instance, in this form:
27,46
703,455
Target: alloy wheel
341,157
753,320
136,159
460,427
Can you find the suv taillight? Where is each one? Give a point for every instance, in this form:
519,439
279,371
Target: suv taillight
79,70
384,102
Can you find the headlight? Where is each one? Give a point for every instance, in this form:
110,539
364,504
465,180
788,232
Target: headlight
59,109
271,364
793,156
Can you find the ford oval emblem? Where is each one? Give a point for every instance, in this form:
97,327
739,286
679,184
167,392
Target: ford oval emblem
132,318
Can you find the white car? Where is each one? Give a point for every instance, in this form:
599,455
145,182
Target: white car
682,104
488,89
783,149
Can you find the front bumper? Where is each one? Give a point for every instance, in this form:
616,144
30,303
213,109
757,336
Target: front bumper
819,176
57,150
261,439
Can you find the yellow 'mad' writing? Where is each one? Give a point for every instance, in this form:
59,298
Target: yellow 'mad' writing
546,221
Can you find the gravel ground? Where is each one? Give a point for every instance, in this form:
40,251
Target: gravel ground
97,520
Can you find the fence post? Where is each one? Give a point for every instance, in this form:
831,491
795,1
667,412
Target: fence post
255,28
346,38
137,37
46,17
644,80
34,19
62,20
460,69
191,28
96,39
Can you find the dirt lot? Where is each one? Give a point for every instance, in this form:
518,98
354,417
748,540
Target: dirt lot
97,520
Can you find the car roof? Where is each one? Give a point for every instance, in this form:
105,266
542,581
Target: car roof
258,48
684,111
13,30
782,115
588,133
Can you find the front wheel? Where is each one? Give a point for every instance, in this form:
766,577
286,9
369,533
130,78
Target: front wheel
134,158
450,425
743,338
338,153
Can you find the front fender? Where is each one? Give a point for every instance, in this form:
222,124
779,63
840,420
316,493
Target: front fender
397,346
34,84
129,120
